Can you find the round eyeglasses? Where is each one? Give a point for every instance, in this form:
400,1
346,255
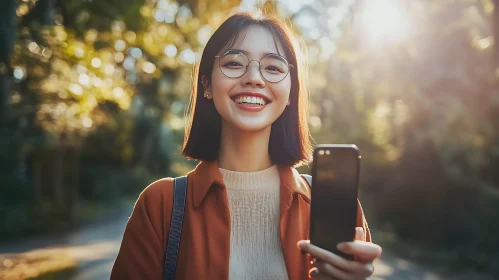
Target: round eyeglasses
273,67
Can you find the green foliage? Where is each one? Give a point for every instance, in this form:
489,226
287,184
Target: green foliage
104,183
422,106
89,89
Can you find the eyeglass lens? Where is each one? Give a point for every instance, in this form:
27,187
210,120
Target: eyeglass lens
273,67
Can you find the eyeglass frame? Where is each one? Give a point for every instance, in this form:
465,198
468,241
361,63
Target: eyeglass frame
259,65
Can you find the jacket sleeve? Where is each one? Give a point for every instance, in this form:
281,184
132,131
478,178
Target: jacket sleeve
361,222
141,254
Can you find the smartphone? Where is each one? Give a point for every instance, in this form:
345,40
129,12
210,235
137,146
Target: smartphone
335,179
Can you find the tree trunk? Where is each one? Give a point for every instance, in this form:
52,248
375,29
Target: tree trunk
495,30
59,172
47,12
37,179
73,191
8,34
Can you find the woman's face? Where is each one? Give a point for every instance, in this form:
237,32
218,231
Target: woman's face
250,102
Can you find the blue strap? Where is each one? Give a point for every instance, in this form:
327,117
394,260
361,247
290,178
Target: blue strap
179,194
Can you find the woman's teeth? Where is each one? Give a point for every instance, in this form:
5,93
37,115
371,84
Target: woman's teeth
250,100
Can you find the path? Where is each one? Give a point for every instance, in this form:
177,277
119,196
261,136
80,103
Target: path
395,268
95,248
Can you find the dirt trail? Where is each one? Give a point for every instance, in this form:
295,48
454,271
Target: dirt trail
95,248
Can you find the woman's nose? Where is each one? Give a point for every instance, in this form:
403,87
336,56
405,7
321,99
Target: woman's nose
253,76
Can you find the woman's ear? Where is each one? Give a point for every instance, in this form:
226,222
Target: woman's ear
206,87
204,81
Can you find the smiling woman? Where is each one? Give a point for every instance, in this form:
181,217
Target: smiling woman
247,81
250,57
246,207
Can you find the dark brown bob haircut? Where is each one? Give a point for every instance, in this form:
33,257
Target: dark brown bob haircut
290,142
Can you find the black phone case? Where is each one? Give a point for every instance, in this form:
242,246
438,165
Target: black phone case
342,225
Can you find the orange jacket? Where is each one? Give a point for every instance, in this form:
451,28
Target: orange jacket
204,246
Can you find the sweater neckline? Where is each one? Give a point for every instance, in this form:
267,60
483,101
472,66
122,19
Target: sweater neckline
251,180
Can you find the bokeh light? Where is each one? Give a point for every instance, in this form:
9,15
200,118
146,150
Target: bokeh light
188,56
120,45
109,69
76,89
18,73
83,79
170,50
119,57
96,62
148,67
129,63
136,53
87,122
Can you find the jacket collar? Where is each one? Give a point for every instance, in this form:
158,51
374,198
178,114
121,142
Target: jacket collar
206,174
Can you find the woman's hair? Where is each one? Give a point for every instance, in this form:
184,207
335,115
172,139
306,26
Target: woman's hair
290,142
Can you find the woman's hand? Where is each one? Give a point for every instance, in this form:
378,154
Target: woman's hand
331,266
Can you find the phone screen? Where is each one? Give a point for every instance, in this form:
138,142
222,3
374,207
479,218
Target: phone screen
334,196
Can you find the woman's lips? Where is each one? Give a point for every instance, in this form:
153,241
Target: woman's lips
250,107
251,94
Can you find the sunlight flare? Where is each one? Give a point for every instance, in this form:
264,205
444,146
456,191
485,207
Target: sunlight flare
385,20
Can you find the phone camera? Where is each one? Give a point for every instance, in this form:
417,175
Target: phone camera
327,152
321,152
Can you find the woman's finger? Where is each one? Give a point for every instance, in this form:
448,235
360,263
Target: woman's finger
361,271
359,234
330,258
366,251
324,255
330,271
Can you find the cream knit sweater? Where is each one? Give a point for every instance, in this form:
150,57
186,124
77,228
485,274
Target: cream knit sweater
255,246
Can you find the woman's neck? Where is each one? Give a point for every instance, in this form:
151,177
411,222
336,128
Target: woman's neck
244,151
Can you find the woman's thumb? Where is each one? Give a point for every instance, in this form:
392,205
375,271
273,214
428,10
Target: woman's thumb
359,234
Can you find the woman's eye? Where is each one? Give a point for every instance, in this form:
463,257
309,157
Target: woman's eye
273,68
232,64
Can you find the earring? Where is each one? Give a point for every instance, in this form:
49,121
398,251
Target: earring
207,95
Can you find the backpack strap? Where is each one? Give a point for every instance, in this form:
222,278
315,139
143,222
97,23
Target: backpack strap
179,194
307,178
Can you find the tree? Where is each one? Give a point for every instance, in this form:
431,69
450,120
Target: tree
7,33
423,110
78,67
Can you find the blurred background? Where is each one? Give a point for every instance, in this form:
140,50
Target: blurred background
92,99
